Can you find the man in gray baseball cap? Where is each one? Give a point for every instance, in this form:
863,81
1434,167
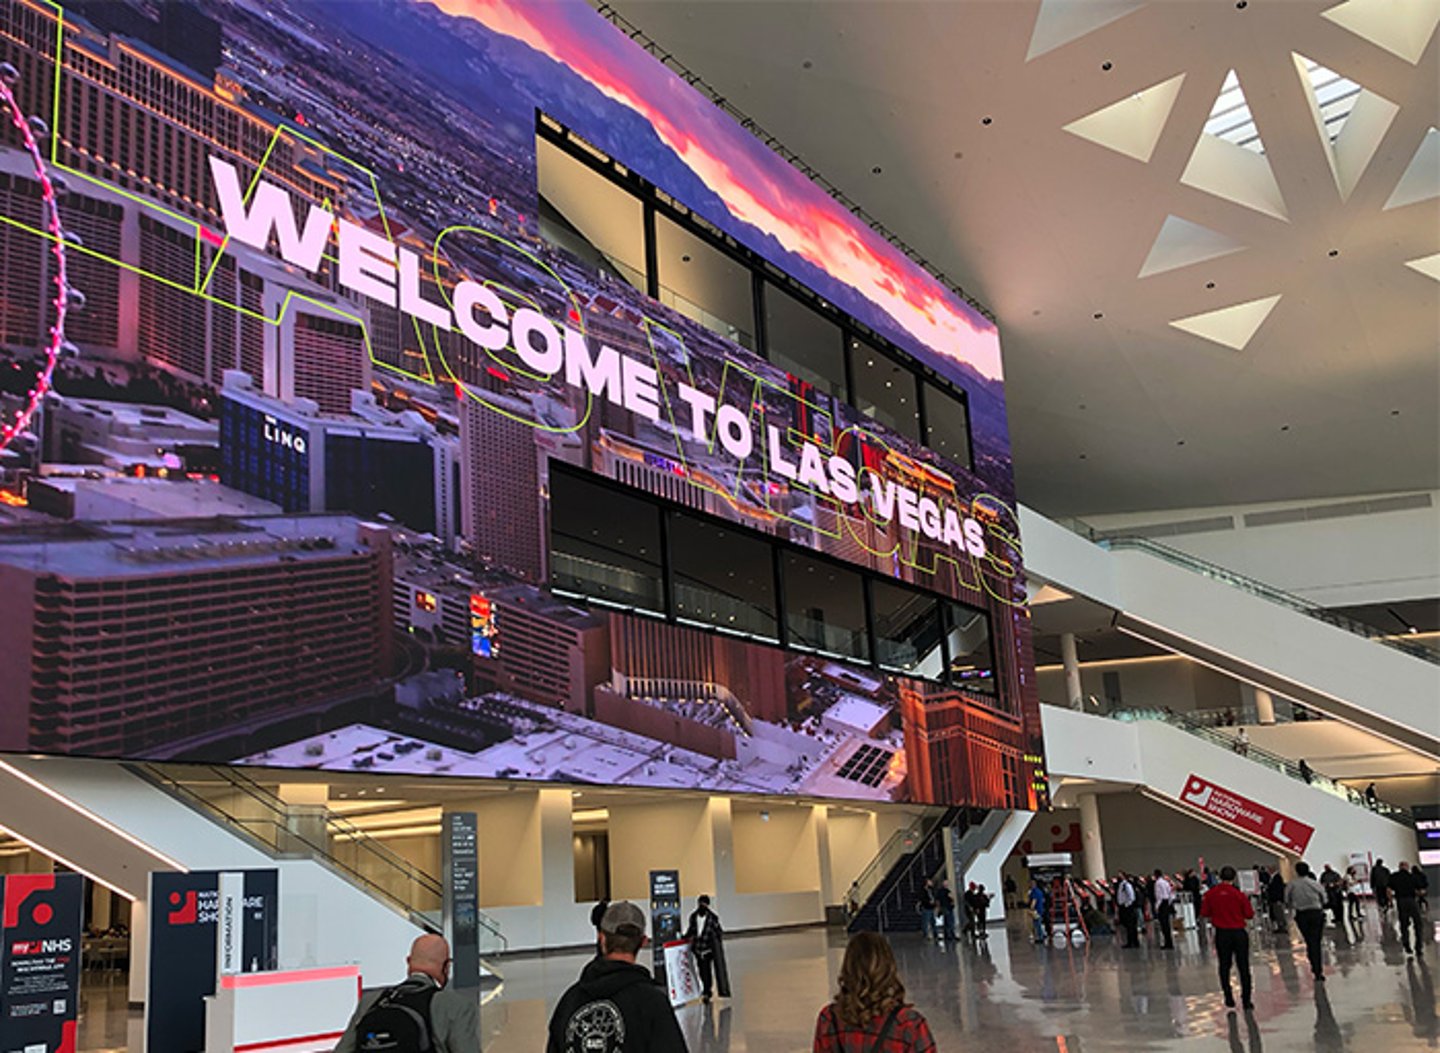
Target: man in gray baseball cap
615,1006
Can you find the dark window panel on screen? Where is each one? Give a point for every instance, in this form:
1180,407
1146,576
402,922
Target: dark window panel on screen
885,391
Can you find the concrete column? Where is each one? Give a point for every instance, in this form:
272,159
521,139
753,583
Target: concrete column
1264,706
1070,659
139,952
557,868
1094,850
828,893
722,833
100,897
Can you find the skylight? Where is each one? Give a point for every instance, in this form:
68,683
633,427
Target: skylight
1230,117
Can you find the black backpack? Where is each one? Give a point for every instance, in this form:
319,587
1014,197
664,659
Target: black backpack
399,1021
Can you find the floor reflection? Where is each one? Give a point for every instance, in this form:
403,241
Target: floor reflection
1006,996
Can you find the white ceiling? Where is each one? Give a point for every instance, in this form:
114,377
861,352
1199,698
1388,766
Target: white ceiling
1338,389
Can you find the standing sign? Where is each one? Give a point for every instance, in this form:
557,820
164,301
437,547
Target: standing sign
461,911
664,915
1256,819
40,961
682,979
204,924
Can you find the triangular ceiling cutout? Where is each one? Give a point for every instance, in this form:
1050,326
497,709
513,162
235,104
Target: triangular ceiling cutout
1401,27
1061,21
1233,326
1422,178
1350,120
1181,243
1133,125
1427,265
1230,117
1229,159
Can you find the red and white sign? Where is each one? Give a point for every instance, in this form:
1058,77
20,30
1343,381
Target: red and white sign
681,976
1289,834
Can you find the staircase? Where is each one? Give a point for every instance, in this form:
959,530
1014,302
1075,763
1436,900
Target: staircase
888,890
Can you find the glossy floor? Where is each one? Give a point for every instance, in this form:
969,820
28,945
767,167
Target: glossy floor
1009,995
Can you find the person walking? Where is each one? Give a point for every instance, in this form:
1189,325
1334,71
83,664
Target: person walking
1306,898
1228,910
422,1011
869,1012
1038,902
1165,910
1275,898
1407,908
1422,888
1127,900
616,1004
1242,742
1334,899
1380,883
945,908
925,904
1351,886
707,942
967,898
982,912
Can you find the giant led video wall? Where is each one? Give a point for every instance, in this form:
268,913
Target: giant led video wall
704,484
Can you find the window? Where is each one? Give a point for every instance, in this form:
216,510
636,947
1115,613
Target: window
884,390
722,577
947,425
589,216
967,642
907,631
605,544
803,343
703,283
825,608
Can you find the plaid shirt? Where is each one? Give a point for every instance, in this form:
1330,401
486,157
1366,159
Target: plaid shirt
910,1034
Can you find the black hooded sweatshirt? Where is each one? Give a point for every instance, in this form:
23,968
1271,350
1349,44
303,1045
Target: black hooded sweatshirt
615,1007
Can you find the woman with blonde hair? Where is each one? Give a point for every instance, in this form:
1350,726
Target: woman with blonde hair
869,1014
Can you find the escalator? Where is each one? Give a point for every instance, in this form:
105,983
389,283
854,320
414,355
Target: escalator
345,897
1248,630
1257,797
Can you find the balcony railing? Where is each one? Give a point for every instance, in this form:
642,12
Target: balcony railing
1273,761
1255,587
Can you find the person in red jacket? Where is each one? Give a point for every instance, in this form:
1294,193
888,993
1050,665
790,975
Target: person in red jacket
1228,910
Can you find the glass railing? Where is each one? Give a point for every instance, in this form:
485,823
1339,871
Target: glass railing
240,803
1221,574
900,844
1274,761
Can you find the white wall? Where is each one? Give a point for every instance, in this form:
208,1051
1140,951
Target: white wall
1371,558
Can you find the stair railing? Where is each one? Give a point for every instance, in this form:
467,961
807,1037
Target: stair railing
1274,761
315,832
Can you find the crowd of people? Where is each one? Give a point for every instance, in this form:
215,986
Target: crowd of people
615,1006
